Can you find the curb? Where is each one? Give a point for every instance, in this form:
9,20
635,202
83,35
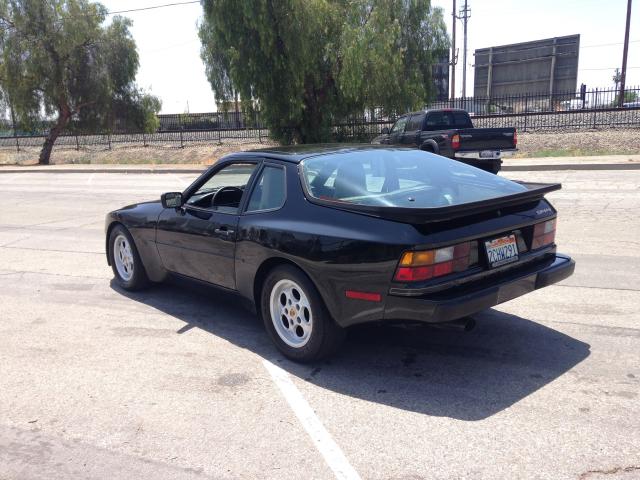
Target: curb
571,166
506,168
103,170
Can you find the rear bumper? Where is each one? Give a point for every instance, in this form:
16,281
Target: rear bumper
495,154
460,302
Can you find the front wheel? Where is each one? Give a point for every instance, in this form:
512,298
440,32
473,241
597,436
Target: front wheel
296,318
125,260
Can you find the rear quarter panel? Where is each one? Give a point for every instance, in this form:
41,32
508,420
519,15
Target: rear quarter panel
342,250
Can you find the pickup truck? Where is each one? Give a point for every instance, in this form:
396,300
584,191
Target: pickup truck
449,132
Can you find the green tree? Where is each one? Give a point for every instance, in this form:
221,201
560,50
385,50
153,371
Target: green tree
308,63
59,58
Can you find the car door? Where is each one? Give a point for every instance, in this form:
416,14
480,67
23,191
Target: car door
413,129
395,135
198,239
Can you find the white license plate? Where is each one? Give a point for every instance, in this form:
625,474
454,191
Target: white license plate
489,154
502,250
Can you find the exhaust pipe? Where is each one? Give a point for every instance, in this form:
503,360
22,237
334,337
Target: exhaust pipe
465,324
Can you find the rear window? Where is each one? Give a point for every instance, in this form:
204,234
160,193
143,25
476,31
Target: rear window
438,121
462,120
400,178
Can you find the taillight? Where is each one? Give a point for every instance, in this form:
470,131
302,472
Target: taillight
544,234
425,264
515,138
455,141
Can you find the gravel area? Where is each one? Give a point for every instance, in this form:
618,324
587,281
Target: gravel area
547,144
579,143
192,154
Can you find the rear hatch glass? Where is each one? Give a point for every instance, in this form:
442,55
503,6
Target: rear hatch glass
400,178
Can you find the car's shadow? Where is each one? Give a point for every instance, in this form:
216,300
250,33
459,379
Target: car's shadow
462,375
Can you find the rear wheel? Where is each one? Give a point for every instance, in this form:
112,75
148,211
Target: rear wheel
125,260
296,318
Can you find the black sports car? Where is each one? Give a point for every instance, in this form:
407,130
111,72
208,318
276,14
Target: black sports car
319,238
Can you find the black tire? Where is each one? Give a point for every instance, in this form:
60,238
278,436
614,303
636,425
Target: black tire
138,278
326,336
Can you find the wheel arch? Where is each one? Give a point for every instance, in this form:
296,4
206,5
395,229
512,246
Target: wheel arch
430,146
263,271
110,228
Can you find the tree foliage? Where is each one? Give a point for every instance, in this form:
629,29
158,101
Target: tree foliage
311,62
59,58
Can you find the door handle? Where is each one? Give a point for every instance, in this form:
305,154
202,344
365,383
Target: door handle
224,231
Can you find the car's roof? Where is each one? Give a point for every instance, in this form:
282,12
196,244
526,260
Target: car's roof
297,153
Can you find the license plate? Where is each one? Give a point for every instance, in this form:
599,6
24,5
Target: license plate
501,251
489,154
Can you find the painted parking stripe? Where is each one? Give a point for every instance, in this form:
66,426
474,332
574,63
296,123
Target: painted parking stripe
312,424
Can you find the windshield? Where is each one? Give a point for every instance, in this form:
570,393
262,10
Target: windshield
400,178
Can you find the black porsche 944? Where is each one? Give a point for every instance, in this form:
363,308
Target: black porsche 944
320,238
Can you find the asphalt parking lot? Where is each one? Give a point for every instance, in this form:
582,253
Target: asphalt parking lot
178,383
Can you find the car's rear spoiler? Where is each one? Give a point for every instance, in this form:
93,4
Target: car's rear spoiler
535,191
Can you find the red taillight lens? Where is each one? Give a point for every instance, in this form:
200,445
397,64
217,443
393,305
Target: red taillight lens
515,138
544,234
455,141
425,264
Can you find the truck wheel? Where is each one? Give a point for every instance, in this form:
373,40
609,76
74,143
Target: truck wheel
296,318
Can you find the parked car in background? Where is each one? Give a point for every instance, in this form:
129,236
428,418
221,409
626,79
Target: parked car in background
319,238
450,132
635,104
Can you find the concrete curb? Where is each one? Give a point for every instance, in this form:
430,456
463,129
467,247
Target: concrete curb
101,170
571,166
147,170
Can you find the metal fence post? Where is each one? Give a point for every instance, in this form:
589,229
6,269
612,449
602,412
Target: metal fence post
595,109
144,140
181,139
17,144
77,143
109,139
526,112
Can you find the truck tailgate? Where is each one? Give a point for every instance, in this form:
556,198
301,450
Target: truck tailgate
486,139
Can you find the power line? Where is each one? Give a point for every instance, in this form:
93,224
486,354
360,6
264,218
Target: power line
153,7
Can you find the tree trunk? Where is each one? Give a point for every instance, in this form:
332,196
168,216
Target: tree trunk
54,133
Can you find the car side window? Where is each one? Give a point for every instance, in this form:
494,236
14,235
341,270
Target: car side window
269,190
438,121
398,127
223,191
415,123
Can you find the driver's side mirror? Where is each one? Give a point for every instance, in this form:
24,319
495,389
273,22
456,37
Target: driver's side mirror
171,200
385,131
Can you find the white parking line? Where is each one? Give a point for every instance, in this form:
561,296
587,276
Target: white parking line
90,179
321,438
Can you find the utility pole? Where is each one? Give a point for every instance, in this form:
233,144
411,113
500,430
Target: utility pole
465,15
454,60
623,76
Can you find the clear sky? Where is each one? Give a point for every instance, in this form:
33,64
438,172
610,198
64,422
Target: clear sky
169,48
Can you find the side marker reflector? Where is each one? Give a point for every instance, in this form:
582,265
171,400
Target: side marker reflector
371,297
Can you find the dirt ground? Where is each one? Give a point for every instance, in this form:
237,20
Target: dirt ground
548,144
